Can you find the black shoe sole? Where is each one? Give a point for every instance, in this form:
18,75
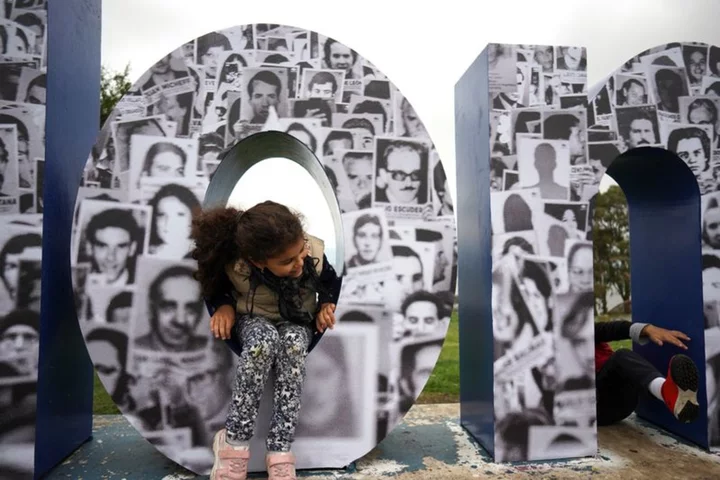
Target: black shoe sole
685,375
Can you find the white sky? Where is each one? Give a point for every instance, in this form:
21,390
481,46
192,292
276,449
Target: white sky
424,51
302,194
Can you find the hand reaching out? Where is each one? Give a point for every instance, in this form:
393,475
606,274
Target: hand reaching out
659,336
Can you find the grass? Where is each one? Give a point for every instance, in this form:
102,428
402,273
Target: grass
442,387
102,403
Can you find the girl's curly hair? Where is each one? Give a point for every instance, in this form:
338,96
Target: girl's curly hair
225,234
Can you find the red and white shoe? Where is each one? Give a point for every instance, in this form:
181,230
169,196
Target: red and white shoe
680,388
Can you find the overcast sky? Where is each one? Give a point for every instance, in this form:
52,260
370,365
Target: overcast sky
423,51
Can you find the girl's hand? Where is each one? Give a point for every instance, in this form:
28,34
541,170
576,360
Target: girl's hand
325,317
222,321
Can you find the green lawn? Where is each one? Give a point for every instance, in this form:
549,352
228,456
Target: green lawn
442,387
102,403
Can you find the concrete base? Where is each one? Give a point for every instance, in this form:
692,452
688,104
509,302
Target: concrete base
429,444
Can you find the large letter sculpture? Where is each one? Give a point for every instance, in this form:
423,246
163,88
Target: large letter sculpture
150,169
668,98
528,184
526,331
45,373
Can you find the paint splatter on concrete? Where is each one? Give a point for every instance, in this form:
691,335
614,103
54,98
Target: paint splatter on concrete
428,444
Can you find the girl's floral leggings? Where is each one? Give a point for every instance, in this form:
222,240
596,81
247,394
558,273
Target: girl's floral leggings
265,345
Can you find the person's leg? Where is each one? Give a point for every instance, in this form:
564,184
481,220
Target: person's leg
617,396
289,379
627,369
259,340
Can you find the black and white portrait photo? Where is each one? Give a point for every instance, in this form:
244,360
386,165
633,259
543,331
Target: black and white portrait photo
173,205
702,110
549,171
367,240
579,255
637,126
339,395
168,308
630,90
424,314
9,172
413,269
262,89
322,84
125,130
692,144
358,167
232,65
417,360
364,126
696,63
305,130
175,101
17,242
407,123
668,84
573,214
514,211
514,243
402,172
110,237
29,121
570,127
372,106
159,157
570,59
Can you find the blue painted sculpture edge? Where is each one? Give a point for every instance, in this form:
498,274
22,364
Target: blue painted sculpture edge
241,157
472,153
666,275
65,382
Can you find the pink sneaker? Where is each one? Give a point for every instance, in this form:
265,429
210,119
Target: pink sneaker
280,466
231,463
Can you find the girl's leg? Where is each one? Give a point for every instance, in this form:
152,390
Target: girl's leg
289,378
259,339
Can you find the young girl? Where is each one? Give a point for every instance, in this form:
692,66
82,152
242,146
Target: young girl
274,292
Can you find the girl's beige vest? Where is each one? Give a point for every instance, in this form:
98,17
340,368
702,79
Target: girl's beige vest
265,301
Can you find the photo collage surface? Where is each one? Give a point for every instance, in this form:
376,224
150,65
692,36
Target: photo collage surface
141,311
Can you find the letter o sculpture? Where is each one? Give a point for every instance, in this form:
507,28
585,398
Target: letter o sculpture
150,168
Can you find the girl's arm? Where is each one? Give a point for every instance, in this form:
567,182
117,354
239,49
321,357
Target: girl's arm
331,282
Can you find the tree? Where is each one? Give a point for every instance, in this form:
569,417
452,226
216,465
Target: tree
611,245
113,86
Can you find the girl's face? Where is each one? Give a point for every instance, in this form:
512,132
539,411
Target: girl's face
288,263
367,241
173,217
